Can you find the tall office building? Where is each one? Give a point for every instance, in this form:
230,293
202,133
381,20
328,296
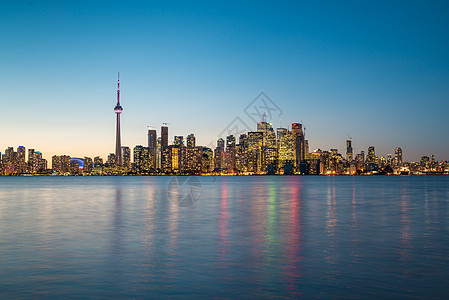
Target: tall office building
142,159
118,110
191,141
230,153
158,152
32,163
298,136
398,156
88,164
287,156
280,132
164,136
371,156
207,160
349,155
219,154
152,145
269,137
179,140
254,151
306,149
126,157
152,138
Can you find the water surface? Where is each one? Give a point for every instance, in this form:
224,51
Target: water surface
224,237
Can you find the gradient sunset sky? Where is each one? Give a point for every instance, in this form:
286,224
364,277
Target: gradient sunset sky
377,71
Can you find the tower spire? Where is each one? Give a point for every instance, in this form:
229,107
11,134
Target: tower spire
118,110
118,89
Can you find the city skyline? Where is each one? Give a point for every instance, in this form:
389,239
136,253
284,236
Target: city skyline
379,75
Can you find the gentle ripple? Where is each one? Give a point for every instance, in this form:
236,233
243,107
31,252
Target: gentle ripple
245,237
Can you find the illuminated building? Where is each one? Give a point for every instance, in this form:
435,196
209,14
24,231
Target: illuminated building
76,166
118,110
98,161
269,137
398,157
219,153
166,159
142,159
287,156
126,157
207,160
349,156
192,160
61,163
425,160
230,153
191,141
88,165
112,160
306,149
164,136
371,157
254,151
158,153
20,164
153,146
298,136
179,140
269,160
241,164
389,159
32,161
42,166
175,158
280,132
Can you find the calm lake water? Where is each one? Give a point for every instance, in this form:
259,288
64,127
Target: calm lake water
224,237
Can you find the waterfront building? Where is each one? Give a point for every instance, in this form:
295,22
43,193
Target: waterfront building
230,153
398,157
179,140
192,160
371,157
166,159
207,160
142,159
219,154
269,160
349,156
287,155
280,132
153,146
112,160
164,136
126,158
88,165
298,136
254,151
191,141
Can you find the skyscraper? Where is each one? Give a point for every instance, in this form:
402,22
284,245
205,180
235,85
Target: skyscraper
191,140
349,156
126,157
370,158
298,136
398,156
164,136
179,140
118,110
152,145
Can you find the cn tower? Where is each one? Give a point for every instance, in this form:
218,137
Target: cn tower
118,110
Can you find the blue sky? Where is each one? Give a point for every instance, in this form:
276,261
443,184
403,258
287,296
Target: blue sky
378,71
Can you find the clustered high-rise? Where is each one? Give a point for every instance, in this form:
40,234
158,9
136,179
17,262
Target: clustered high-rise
264,151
